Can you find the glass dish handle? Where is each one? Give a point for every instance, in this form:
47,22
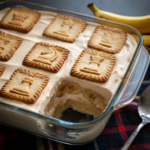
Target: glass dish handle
136,80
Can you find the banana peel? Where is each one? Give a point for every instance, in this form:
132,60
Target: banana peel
141,23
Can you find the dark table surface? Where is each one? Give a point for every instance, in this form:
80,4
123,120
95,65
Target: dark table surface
126,7
15,139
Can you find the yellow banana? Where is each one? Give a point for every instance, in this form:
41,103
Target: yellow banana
146,39
142,23
144,30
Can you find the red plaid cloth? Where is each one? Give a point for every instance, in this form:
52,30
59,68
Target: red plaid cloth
120,126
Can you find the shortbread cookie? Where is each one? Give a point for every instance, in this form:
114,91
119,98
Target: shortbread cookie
107,39
24,85
65,28
20,19
1,69
8,45
77,105
46,56
93,65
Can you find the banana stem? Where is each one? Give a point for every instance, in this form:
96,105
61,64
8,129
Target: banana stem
93,7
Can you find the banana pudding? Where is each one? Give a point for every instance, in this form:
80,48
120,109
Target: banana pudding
91,91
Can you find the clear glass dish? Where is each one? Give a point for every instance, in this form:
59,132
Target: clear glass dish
78,133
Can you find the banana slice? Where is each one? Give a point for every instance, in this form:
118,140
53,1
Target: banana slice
94,98
73,88
100,103
61,90
90,95
51,103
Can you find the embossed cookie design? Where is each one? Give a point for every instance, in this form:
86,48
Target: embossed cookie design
65,28
93,65
2,68
46,56
8,45
20,19
24,85
107,39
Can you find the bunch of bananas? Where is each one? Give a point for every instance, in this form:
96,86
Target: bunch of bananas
141,23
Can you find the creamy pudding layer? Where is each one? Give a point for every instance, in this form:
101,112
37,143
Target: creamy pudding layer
72,93
106,90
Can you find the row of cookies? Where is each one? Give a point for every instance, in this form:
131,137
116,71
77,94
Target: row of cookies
65,28
51,58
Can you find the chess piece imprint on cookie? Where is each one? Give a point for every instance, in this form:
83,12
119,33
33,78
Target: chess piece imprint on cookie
107,39
20,19
8,45
65,28
93,65
23,88
24,85
46,56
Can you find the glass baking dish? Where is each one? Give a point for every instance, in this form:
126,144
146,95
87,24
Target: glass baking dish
78,133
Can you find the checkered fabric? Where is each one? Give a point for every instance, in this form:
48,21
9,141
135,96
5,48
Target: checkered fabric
119,128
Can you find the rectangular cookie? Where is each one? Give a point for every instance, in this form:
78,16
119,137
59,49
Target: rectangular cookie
107,39
2,68
24,85
46,56
93,65
8,45
65,28
20,19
